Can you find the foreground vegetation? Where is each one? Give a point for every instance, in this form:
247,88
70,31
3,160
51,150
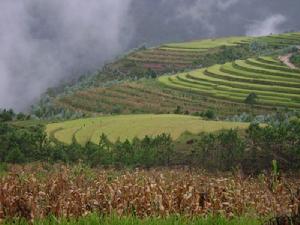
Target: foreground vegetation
252,150
95,219
40,191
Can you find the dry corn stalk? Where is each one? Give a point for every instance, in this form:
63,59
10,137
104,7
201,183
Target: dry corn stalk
143,193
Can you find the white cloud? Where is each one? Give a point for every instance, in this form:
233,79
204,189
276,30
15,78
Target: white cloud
270,25
43,42
203,10
225,4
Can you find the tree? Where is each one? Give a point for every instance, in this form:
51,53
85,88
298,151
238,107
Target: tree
21,116
7,115
251,98
178,110
209,114
151,73
15,156
219,151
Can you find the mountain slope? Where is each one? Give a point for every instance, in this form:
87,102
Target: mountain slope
231,69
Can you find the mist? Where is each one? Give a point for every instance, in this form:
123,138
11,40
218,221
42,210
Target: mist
270,25
45,43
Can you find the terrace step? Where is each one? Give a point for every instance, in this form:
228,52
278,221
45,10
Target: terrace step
235,81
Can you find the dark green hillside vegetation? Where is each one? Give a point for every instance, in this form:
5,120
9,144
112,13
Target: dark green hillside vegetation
128,85
9,115
295,59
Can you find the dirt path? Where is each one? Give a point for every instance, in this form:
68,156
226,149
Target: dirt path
286,60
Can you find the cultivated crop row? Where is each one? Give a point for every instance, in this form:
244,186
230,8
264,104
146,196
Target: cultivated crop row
35,192
274,83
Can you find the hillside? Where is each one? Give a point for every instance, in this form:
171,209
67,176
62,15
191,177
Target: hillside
273,83
212,74
194,131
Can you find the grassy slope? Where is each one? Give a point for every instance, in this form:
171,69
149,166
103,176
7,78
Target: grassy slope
128,127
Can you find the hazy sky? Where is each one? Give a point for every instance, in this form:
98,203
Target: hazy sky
165,20
45,42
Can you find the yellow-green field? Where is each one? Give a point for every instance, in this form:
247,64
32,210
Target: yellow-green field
208,43
130,126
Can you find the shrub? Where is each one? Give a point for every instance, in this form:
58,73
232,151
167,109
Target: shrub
15,155
117,109
255,150
251,99
209,114
295,59
178,110
6,115
219,151
280,142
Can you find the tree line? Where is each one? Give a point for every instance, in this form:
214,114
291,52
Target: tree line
253,150
9,115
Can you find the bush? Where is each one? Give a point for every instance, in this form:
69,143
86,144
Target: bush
295,59
221,151
209,114
15,155
178,110
274,142
117,109
6,115
251,99
254,151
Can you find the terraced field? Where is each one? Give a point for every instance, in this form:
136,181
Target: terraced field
183,55
128,127
274,83
131,98
204,45
222,88
279,40
146,96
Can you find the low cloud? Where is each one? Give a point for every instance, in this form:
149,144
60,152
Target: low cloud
202,11
270,25
45,42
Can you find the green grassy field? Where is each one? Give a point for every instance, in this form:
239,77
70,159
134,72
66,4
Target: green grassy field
130,126
98,220
274,83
